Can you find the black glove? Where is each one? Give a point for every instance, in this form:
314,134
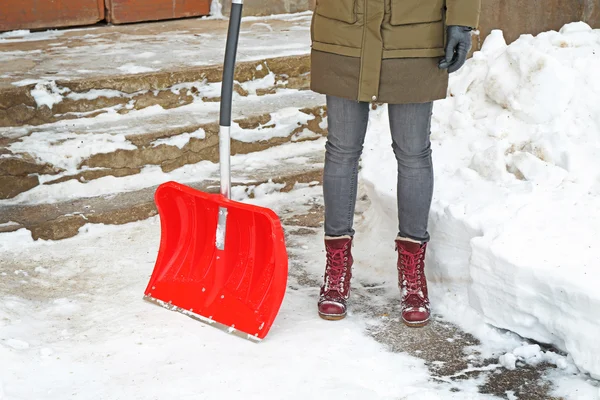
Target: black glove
457,48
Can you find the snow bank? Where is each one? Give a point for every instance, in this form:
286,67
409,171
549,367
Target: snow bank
516,208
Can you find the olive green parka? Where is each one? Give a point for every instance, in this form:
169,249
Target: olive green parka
384,50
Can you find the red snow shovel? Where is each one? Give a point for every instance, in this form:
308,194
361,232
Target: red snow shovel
220,261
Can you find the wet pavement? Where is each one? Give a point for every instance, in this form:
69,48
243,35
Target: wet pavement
451,354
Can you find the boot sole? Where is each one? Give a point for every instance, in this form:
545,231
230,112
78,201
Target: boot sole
332,317
419,324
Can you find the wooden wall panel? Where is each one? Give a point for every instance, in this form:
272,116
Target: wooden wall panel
37,14
124,11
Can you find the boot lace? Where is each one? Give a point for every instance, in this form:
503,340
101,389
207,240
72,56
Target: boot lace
336,269
411,273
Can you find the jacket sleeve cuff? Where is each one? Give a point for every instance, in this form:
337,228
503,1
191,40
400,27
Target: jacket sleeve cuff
463,12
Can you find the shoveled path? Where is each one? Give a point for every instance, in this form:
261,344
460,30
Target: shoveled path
450,354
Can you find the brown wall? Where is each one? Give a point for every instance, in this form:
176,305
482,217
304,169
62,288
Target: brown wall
123,11
515,17
32,14
48,14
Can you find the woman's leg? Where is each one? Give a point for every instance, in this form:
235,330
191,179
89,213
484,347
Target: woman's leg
347,126
411,127
347,122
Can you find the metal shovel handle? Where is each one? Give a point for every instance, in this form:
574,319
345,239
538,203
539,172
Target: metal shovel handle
233,34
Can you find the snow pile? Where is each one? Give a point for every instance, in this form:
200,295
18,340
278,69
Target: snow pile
516,208
532,354
48,94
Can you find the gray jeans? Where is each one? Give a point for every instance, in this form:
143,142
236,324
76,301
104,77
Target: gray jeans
410,125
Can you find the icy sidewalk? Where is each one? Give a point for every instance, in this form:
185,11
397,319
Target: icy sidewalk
74,54
74,323
516,207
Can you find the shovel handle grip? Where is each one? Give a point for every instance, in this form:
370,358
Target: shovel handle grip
233,33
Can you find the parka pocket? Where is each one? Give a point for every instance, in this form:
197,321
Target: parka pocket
341,10
405,12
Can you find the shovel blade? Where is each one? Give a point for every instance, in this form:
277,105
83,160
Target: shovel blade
239,283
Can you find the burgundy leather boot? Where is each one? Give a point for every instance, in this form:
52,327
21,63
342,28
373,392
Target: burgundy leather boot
412,283
338,272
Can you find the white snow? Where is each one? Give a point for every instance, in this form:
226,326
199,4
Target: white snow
88,331
508,360
26,82
573,389
532,354
516,208
146,54
130,68
242,164
263,83
304,134
282,122
180,140
97,93
528,351
47,94
216,9
28,36
514,218
17,344
65,150
17,33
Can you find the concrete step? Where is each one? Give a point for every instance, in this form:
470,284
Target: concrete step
64,219
77,73
120,145
52,101
128,50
